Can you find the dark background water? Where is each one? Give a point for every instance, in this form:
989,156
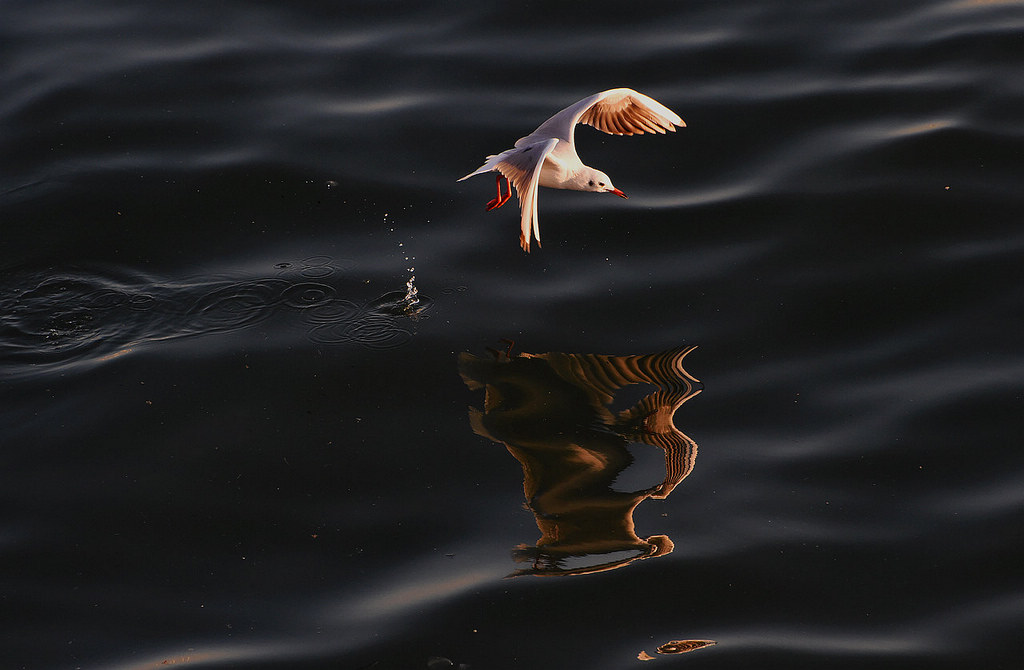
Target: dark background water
229,439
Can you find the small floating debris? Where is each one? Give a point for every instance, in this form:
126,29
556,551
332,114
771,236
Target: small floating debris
644,656
683,646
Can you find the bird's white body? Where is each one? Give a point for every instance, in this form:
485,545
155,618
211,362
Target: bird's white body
547,156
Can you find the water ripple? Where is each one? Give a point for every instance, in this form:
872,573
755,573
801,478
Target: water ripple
52,318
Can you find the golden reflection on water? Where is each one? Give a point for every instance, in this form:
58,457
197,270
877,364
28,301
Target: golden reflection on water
553,412
683,646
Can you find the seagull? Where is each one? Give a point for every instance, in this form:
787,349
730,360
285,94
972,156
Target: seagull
547,156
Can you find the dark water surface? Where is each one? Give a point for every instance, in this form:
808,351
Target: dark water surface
245,312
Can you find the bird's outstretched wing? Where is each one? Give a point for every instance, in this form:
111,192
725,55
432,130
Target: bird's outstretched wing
522,166
618,111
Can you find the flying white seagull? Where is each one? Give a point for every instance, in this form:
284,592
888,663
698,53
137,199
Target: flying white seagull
547,156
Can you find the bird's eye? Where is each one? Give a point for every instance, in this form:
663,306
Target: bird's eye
590,183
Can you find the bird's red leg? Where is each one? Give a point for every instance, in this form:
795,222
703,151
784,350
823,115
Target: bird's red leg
508,187
500,200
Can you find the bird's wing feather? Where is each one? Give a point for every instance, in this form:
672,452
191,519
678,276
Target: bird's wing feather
522,167
560,125
623,111
618,111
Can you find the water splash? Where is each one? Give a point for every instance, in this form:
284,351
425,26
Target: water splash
410,304
411,294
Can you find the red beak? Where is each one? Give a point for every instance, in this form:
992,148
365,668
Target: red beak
619,193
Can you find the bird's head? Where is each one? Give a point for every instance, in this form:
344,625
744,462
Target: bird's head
595,180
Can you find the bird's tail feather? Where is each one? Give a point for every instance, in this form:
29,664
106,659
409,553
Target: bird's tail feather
490,163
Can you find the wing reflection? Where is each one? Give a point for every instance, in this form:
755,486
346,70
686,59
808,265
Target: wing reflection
554,413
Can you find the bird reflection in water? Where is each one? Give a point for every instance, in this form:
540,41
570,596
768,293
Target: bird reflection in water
554,413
